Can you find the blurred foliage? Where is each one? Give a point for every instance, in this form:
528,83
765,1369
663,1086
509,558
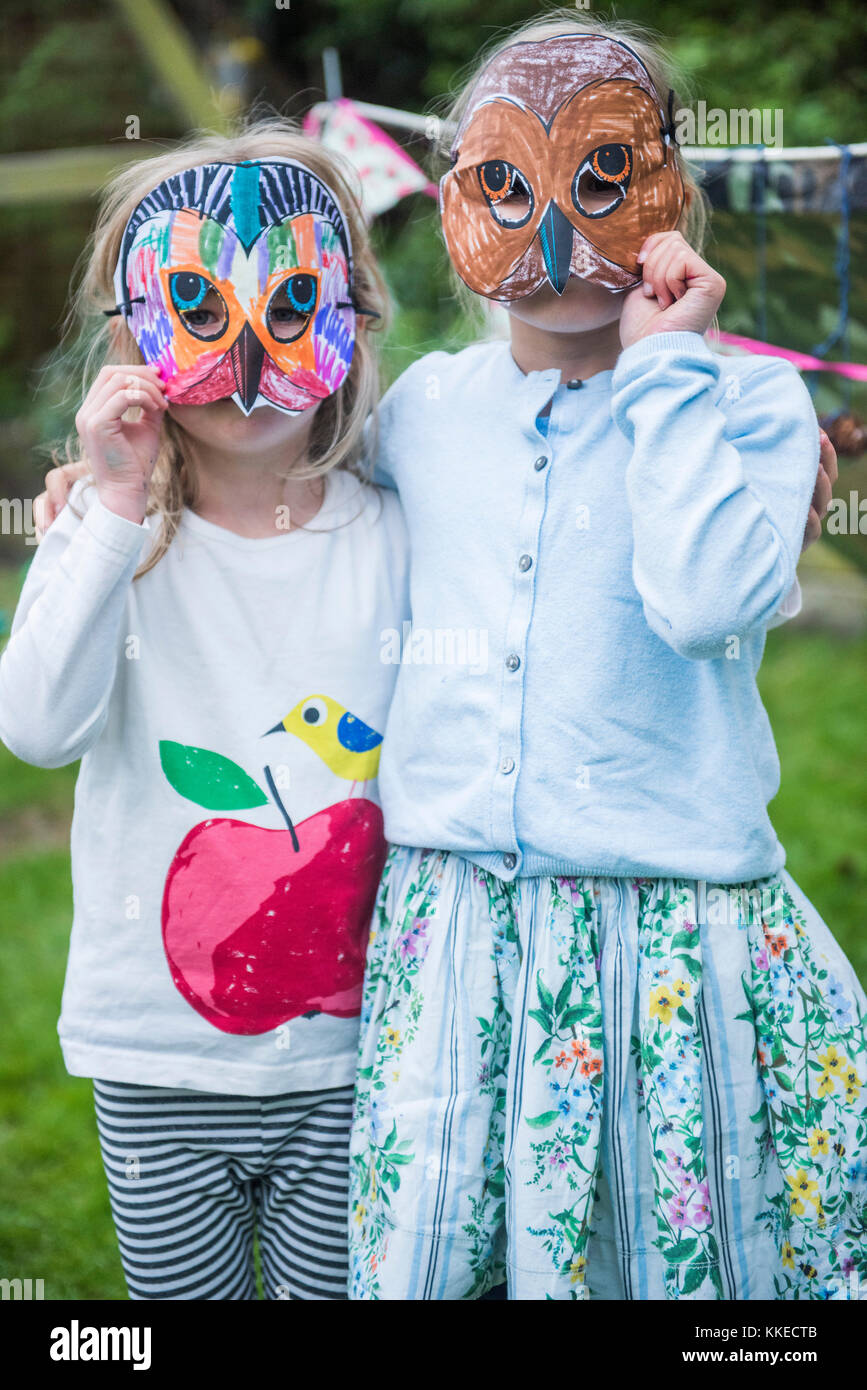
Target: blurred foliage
806,59
69,76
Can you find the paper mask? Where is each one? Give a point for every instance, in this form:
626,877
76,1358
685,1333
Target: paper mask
236,282
561,166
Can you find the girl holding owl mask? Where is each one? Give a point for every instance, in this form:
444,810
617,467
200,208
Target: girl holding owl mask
608,1049
222,564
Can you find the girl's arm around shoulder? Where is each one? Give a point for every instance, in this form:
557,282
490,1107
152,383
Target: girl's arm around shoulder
57,671
393,439
382,512
723,466
396,553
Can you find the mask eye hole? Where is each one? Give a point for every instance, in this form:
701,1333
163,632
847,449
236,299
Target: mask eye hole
291,305
602,180
507,191
200,305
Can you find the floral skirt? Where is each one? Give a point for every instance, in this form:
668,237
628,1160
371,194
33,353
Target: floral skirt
596,1088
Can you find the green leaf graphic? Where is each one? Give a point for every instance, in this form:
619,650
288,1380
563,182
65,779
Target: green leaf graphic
497,1181
576,1014
546,998
695,1277
209,779
542,1121
563,997
682,1251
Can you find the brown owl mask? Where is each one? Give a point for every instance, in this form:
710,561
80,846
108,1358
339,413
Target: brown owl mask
561,165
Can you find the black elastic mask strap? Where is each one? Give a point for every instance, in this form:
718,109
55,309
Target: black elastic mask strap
359,309
669,131
124,308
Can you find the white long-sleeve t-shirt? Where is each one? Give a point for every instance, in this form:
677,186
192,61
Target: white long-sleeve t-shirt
224,861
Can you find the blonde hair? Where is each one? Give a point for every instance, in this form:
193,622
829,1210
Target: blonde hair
664,75
339,422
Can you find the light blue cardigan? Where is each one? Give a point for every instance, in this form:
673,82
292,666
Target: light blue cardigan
590,593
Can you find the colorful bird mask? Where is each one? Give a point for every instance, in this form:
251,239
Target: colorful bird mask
562,166
236,282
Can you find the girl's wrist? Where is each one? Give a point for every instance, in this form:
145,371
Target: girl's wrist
665,340
124,502
673,333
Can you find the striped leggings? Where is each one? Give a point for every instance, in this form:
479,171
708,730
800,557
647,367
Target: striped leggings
192,1176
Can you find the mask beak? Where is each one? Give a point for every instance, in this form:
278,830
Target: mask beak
556,234
247,356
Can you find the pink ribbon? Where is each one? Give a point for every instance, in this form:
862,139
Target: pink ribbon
804,361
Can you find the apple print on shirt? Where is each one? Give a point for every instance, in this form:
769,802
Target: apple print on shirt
260,926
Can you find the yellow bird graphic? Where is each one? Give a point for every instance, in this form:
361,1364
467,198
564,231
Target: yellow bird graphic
348,746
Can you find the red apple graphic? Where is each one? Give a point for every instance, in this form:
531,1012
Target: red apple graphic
259,925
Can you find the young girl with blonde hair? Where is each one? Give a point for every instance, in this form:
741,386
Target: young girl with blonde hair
201,626
608,1050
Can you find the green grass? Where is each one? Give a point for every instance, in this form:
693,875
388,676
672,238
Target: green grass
55,1222
814,687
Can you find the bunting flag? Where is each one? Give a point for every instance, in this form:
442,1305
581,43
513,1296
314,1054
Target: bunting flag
387,173
781,185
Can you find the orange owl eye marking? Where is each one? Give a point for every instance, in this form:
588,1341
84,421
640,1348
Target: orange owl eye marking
496,178
507,191
602,180
611,163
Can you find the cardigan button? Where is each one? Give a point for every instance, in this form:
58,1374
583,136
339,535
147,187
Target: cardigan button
574,384
541,462
513,661
507,765
510,860
524,563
